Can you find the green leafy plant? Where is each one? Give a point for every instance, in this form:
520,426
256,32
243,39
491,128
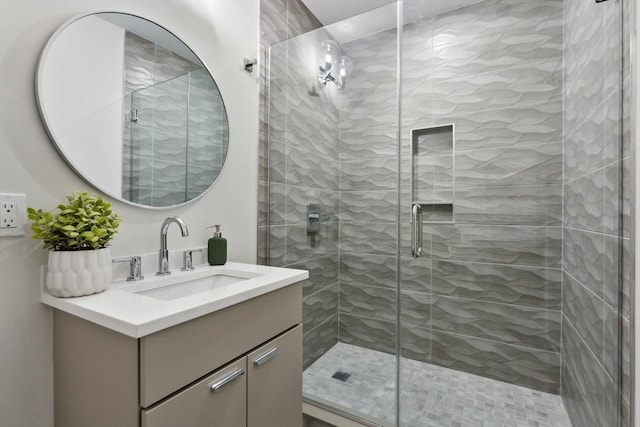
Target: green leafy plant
85,223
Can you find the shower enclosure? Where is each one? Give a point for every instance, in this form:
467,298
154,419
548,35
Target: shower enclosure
175,129
168,125
456,197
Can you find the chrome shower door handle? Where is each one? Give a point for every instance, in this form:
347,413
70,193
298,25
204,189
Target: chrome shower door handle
416,230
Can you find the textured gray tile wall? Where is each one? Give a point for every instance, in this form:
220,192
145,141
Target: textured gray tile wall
172,95
628,127
591,222
486,296
279,20
299,166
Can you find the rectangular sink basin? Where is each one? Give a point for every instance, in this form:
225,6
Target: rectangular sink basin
191,287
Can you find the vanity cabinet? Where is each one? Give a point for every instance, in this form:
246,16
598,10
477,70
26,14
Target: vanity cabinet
252,351
199,405
257,390
274,382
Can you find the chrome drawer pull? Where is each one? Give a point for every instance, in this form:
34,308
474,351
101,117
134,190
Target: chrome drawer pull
266,357
215,387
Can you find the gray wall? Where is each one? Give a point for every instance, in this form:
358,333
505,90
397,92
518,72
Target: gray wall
279,20
592,167
304,169
486,296
299,166
177,147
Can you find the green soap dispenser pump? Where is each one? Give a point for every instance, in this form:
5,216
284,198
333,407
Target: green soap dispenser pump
217,248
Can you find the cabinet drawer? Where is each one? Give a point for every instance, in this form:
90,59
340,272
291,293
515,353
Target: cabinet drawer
202,405
274,391
177,356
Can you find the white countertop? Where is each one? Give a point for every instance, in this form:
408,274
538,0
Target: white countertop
138,315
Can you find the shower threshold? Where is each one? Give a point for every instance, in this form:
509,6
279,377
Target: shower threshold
432,396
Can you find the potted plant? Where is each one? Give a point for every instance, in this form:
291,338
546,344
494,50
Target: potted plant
78,237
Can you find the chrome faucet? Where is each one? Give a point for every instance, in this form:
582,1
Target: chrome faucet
163,258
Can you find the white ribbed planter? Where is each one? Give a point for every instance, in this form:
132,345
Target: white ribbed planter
77,273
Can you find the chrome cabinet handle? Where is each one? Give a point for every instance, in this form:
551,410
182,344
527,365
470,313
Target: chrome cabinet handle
416,230
215,387
266,357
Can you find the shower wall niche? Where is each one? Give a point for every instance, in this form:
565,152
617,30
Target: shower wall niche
433,172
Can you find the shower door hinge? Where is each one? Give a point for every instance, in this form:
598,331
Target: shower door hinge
134,115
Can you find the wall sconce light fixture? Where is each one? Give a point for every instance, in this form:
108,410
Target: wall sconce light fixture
336,66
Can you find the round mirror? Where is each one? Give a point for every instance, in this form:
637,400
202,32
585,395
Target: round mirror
132,109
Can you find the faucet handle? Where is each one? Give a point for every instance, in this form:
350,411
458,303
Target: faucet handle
187,259
135,267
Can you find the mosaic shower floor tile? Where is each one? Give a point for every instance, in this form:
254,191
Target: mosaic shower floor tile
432,396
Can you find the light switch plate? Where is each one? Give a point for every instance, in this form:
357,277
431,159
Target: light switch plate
12,215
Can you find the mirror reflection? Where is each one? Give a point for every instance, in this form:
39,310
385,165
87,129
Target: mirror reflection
132,109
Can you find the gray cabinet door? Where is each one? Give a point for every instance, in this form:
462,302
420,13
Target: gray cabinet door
218,400
274,388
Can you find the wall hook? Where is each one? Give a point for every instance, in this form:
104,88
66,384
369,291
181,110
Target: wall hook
249,63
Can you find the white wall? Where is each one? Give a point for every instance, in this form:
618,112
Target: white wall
222,31
81,91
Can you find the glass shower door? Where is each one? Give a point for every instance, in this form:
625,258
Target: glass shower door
155,155
506,118
464,245
333,169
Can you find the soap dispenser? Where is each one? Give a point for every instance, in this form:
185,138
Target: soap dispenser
217,248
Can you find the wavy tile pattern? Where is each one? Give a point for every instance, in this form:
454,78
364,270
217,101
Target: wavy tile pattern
299,163
487,296
511,205
368,301
584,202
319,340
367,270
514,364
319,306
591,380
535,328
578,410
323,272
368,206
369,333
494,71
534,164
584,258
592,187
172,96
508,284
532,246
279,20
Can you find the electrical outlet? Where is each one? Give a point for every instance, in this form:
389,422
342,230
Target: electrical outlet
12,214
8,214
